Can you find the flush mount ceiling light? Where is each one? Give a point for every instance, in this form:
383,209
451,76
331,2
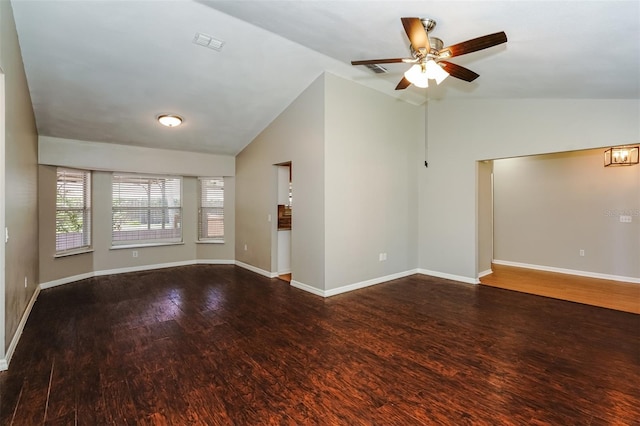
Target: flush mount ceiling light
170,120
621,156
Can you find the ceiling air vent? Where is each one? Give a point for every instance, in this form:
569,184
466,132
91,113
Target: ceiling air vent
208,41
377,69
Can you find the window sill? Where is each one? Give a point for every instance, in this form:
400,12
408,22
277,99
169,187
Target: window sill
72,253
142,245
210,242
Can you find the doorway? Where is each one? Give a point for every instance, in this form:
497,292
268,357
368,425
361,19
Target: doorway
284,222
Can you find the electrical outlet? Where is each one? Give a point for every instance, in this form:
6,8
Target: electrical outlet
245,247
581,252
625,219
134,253
25,281
382,257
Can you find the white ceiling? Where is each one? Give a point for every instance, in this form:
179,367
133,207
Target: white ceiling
103,70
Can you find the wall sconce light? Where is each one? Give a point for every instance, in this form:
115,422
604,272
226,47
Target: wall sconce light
621,156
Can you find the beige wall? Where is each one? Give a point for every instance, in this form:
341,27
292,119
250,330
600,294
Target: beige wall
20,190
372,160
549,207
296,135
104,258
354,155
484,202
127,158
465,131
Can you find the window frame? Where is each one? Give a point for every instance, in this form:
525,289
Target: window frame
165,210
85,212
202,211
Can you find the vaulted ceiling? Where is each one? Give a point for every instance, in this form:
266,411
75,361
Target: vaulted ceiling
104,70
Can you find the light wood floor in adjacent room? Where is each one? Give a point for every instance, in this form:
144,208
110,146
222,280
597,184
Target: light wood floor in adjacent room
621,296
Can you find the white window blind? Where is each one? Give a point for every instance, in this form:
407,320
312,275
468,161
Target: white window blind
146,209
211,210
73,210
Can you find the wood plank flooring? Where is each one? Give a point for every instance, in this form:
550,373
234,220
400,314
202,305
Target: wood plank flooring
219,345
591,291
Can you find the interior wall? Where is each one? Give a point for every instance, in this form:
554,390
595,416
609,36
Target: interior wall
103,258
90,155
3,361
484,201
549,207
20,159
296,135
461,132
107,258
372,146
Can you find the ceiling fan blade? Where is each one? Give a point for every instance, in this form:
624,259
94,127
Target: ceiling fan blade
473,45
404,83
457,71
416,33
380,61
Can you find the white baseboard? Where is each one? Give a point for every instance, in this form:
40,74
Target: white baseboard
256,269
446,276
66,280
350,287
368,283
215,262
4,363
143,268
569,271
485,273
307,288
116,271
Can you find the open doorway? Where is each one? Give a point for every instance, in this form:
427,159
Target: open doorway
284,222
558,225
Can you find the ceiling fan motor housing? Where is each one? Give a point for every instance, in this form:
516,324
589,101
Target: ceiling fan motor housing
435,45
428,24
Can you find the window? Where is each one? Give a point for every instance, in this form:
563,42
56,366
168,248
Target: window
73,210
211,210
146,209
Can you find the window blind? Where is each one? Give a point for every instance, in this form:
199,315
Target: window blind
73,210
146,209
211,209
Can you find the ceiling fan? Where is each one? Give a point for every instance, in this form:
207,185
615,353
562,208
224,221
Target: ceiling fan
428,54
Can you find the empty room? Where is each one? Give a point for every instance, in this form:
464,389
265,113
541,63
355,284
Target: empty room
319,212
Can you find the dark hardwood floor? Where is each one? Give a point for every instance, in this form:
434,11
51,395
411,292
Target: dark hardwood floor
210,344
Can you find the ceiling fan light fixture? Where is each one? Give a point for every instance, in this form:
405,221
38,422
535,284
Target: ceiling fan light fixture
170,120
417,76
435,71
